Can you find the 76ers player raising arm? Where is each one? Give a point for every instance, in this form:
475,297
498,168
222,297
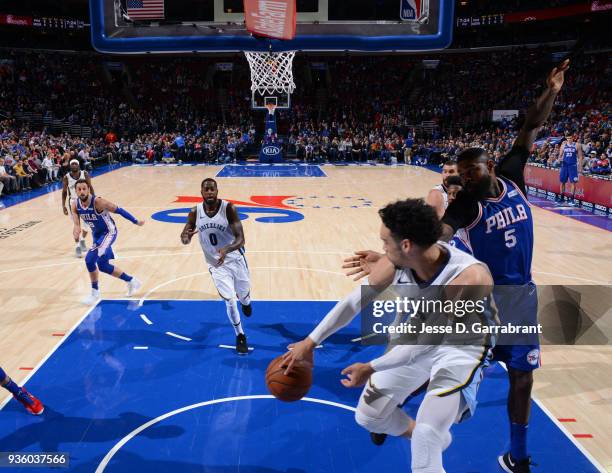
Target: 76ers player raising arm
222,239
493,210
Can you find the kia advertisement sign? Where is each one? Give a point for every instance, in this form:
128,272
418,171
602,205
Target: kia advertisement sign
270,153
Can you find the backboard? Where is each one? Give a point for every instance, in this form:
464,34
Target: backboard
185,26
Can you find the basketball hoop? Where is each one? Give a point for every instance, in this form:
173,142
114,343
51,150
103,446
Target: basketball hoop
271,72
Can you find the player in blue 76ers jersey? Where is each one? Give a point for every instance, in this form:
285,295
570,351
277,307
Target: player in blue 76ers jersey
496,215
571,155
94,211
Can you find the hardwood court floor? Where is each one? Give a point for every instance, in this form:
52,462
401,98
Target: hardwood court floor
43,283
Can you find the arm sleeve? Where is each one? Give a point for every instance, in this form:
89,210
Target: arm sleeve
126,215
343,312
399,355
512,166
461,212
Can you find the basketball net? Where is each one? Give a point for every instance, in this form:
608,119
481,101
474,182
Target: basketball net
271,71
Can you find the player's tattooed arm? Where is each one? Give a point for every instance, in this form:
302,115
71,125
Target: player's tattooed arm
435,199
88,179
76,230
236,226
64,193
540,110
190,227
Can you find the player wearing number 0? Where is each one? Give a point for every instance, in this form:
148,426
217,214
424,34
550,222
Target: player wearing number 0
32,405
222,240
410,231
493,210
94,211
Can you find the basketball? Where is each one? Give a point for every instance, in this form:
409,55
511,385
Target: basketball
291,387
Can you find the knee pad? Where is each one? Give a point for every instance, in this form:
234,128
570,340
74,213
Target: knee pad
380,414
426,447
91,260
105,266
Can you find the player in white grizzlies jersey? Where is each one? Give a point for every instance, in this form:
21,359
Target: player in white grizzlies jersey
69,192
410,231
438,196
222,240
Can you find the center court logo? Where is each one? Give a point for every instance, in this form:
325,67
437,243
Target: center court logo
268,208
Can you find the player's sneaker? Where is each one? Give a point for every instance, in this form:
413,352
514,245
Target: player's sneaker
241,344
133,286
33,405
93,298
378,439
247,310
78,251
511,465
83,245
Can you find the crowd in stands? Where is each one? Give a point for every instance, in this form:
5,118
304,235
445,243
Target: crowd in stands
171,109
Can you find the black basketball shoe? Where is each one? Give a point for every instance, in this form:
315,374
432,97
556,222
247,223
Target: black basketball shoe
378,439
510,465
247,310
241,344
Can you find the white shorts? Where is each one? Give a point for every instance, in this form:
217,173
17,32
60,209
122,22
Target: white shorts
232,278
447,368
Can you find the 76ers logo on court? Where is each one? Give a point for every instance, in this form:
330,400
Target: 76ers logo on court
268,208
533,357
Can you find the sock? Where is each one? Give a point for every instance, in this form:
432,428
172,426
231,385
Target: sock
234,316
94,286
125,277
10,386
518,441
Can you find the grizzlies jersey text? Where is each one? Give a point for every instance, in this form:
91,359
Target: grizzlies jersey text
215,233
502,235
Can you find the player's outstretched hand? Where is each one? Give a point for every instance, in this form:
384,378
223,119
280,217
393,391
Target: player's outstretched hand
356,375
301,353
361,264
556,77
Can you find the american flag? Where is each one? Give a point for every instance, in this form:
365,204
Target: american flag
145,9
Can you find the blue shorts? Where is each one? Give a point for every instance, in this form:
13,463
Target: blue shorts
568,172
517,305
102,244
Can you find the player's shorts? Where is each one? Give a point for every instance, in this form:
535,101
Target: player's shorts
448,369
568,172
102,244
232,277
518,305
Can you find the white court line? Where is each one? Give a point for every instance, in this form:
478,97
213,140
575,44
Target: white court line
146,319
231,347
562,428
172,334
151,291
141,348
43,361
66,263
109,456
358,339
